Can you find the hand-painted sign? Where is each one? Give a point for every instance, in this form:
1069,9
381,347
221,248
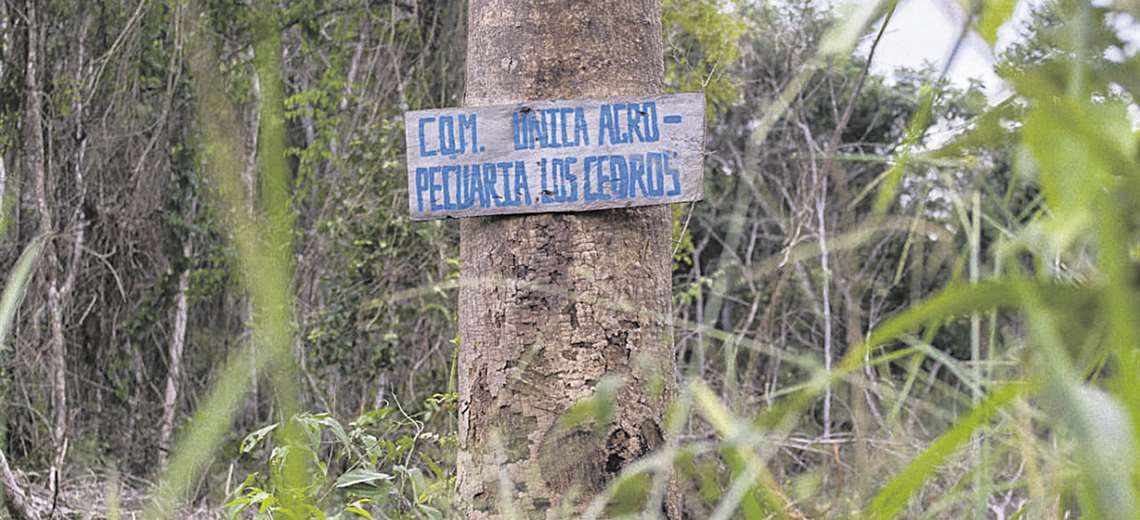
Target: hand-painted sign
553,156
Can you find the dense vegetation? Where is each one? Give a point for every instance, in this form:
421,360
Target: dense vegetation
897,298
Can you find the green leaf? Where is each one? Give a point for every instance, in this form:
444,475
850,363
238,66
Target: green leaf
253,439
359,512
435,468
428,511
894,496
994,14
361,476
630,494
332,424
598,408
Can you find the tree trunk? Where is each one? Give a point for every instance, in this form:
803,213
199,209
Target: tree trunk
15,501
174,369
3,191
550,304
34,157
249,178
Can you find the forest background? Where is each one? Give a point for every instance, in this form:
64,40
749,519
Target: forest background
888,275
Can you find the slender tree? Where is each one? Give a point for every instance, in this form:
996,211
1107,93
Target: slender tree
34,157
174,359
552,305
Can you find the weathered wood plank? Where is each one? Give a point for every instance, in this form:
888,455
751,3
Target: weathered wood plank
554,156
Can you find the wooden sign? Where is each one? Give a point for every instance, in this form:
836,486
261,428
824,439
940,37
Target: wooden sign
551,156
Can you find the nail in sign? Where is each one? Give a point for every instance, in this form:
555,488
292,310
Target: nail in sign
554,156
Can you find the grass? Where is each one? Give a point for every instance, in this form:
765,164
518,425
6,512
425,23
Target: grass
1072,427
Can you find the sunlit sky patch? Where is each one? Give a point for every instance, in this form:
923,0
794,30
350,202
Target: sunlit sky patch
924,32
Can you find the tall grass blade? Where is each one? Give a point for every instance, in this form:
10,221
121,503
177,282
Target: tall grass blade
894,496
751,477
15,286
1097,422
842,38
265,252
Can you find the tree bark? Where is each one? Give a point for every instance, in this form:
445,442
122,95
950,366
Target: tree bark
174,369
15,501
249,178
550,304
3,190
34,158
